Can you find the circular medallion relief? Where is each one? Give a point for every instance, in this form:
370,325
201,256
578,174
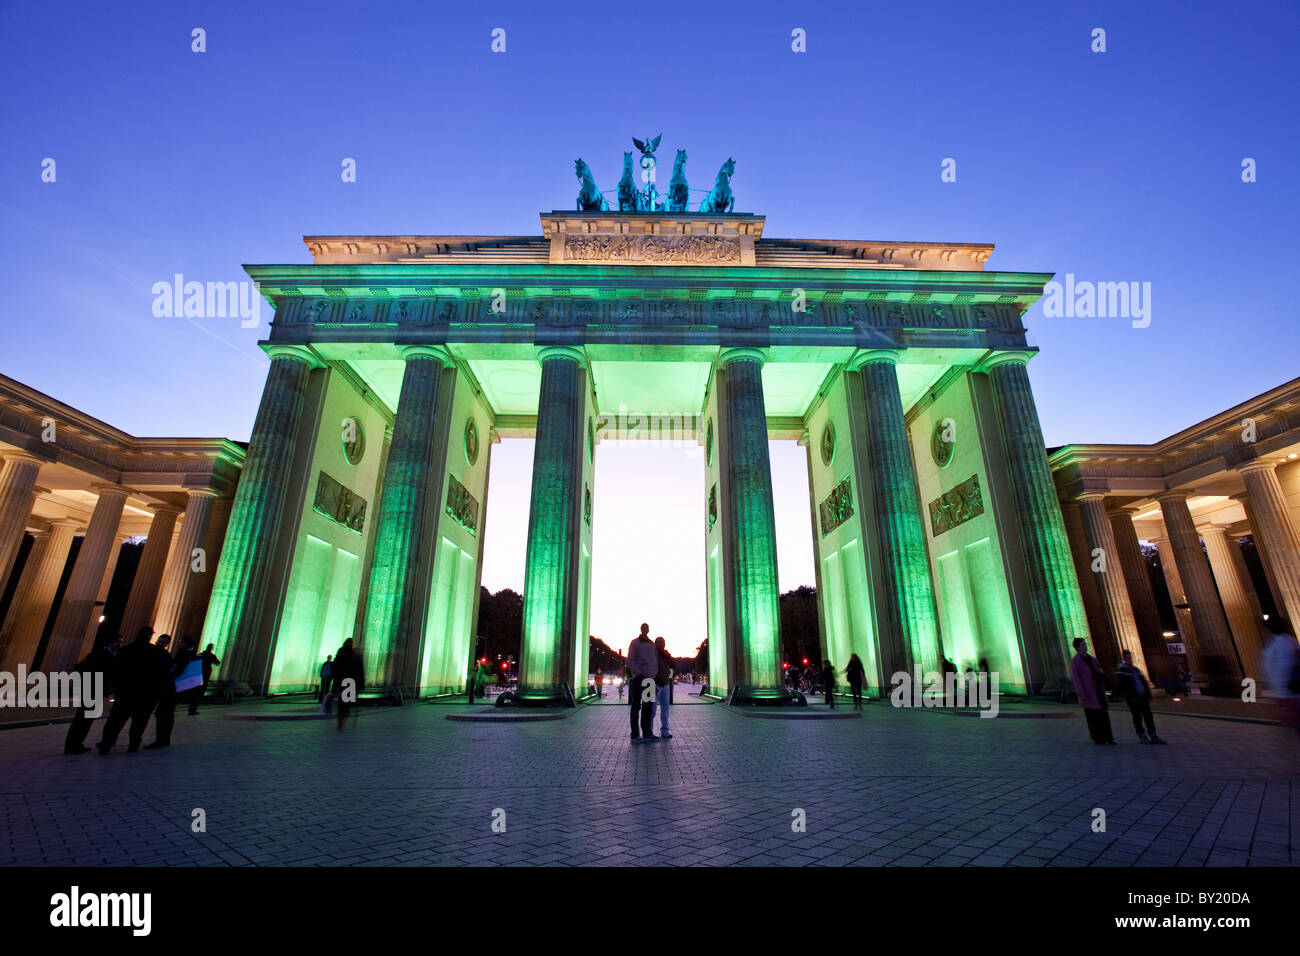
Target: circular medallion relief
471,441
354,441
942,441
828,444
708,444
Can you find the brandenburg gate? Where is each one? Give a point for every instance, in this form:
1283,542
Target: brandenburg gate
397,361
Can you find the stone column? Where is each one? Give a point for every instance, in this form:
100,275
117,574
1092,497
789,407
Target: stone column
1177,596
17,492
178,581
1275,532
1214,641
909,631
35,595
68,639
555,511
1246,628
101,596
242,575
1059,615
149,572
395,602
1110,577
1248,583
1269,578
750,578
1160,666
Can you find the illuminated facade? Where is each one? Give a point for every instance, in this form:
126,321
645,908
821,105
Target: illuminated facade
397,361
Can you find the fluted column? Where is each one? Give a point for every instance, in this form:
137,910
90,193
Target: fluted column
149,572
1110,581
751,573
17,492
35,595
1177,596
1141,598
178,581
1276,532
555,511
1247,629
1247,580
907,621
243,572
1214,640
394,620
1053,585
68,642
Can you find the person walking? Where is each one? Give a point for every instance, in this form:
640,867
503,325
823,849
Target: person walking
663,686
1090,686
171,668
856,675
348,676
135,677
643,664
1135,688
828,683
98,661
600,684
209,660
1282,670
325,677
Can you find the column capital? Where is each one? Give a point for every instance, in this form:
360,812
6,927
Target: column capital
162,508
110,488
571,352
743,354
300,352
438,352
1257,465
1090,496
864,356
1015,357
65,523
19,456
1171,496
202,493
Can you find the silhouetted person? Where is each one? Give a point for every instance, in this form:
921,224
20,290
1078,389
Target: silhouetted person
1136,690
99,661
643,665
1090,686
947,667
136,675
347,667
828,682
325,677
1282,669
663,686
173,665
600,684
856,675
209,660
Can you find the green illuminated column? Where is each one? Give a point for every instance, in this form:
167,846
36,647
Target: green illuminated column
394,616
750,580
551,588
907,625
1059,615
238,593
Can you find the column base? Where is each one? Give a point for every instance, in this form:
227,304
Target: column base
559,696
763,697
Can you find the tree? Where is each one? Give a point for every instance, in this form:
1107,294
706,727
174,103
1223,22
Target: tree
800,626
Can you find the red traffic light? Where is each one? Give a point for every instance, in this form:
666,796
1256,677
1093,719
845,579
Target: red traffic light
785,666
805,660
482,660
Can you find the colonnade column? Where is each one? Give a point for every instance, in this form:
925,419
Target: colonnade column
35,595
749,571
1214,641
1177,596
148,574
71,626
1054,587
17,491
1246,627
1110,578
246,558
178,583
1273,528
907,622
551,570
394,618
1142,598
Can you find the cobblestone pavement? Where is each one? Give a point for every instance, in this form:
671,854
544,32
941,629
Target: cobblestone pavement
405,786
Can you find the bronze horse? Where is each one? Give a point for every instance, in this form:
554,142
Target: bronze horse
679,192
590,199
720,197
627,187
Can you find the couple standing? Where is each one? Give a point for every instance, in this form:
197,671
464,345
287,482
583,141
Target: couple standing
651,669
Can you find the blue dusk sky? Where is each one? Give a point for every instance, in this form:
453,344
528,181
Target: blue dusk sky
1117,166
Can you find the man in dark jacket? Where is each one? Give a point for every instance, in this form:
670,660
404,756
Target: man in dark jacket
209,661
663,686
136,674
643,663
1137,694
348,675
98,661
171,666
